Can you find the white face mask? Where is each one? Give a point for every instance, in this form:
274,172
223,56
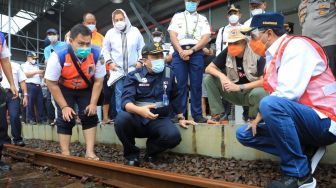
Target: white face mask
233,19
52,38
33,62
120,25
257,11
157,39
92,27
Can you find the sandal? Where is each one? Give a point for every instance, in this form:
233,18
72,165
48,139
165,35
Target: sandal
95,158
107,122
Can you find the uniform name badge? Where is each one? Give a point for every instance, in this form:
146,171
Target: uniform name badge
165,99
189,36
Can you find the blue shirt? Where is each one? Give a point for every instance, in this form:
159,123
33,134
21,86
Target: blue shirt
49,49
151,89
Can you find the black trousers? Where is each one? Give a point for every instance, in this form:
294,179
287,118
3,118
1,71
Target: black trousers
331,53
162,134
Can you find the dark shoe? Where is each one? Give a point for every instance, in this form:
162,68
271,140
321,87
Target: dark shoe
150,158
293,182
201,120
51,122
220,117
19,143
4,167
133,162
245,113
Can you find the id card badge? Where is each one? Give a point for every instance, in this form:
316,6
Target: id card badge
332,128
91,69
165,99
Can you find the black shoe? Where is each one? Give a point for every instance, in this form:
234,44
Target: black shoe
19,143
133,162
150,158
221,117
201,120
293,182
4,167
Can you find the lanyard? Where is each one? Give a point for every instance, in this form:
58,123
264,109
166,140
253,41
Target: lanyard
187,30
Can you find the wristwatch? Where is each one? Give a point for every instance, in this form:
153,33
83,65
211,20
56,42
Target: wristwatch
193,50
241,87
180,118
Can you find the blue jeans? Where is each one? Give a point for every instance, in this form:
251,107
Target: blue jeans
287,128
13,106
119,86
194,69
35,98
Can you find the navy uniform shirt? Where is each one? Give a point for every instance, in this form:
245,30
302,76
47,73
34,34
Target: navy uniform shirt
151,89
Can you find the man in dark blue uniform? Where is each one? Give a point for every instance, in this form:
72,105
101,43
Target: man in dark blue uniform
149,95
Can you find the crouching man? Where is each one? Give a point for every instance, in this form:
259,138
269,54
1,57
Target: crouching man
148,96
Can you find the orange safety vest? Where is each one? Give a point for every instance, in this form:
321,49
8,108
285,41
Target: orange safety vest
320,93
70,78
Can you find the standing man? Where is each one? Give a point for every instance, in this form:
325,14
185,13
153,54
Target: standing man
189,33
35,97
256,7
122,50
149,94
74,75
6,67
89,20
318,20
53,37
300,112
13,104
233,15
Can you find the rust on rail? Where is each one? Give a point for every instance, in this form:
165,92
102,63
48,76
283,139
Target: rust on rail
114,174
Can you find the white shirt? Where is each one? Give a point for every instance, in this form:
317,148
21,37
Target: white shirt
184,23
299,63
5,53
18,76
222,37
112,47
27,67
54,69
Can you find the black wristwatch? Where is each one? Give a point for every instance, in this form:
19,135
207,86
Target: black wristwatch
193,50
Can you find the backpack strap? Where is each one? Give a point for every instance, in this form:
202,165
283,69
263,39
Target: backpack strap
223,28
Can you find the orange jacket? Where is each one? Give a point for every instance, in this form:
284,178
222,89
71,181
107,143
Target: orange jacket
70,78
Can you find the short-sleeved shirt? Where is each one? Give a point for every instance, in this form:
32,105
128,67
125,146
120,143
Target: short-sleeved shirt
49,49
18,76
27,67
5,53
194,24
220,62
54,69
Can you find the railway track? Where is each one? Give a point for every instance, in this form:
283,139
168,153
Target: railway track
113,174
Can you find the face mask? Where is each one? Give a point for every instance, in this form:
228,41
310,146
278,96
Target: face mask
120,25
158,65
92,27
52,38
157,39
83,52
234,50
257,11
191,6
233,18
33,62
258,47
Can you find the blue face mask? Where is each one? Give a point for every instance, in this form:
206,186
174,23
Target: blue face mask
158,65
191,6
83,52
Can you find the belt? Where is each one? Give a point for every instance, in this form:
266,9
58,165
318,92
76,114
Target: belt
157,104
38,85
187,47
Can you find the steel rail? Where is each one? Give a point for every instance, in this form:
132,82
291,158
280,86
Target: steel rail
113,174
